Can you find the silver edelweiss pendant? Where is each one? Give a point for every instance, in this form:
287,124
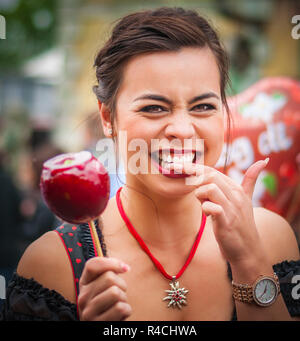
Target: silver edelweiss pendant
176,295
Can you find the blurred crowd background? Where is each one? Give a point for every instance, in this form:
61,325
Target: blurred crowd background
46,76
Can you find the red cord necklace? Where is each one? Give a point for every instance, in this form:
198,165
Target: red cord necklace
176,295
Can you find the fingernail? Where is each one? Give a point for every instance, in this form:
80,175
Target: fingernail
125,267
267,160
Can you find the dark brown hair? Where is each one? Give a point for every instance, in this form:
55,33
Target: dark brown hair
162,29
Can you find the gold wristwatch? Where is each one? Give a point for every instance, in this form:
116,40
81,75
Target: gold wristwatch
263,291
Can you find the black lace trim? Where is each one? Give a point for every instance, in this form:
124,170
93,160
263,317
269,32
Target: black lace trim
36,290
87,242
285,272
29,300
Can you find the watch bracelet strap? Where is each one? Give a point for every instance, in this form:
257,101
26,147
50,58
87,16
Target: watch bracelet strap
244,292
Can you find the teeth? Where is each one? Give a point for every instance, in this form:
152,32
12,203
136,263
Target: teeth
167,158
165,165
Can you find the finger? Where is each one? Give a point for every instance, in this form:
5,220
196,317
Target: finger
104,301
196,172
215,211
102,283
230,189
120,311
251,176
203,174
96,266
212,193
188,168
208,175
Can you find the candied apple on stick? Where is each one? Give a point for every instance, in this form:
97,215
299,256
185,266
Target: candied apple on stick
76,187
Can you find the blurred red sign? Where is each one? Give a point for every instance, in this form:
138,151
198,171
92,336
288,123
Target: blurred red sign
266,119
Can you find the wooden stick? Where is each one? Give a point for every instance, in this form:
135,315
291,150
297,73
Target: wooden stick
96,239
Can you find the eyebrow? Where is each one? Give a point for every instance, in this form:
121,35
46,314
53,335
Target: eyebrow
166,100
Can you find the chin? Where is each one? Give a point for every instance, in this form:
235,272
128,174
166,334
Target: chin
167,188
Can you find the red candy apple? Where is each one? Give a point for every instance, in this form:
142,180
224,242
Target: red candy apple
75,186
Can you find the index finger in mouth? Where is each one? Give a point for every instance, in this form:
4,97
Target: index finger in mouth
196,172
188,168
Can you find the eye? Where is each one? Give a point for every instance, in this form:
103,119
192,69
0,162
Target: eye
155,109
205,107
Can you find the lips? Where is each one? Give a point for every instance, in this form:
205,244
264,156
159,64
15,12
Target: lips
164,159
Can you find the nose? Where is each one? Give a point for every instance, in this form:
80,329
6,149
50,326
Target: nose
180,126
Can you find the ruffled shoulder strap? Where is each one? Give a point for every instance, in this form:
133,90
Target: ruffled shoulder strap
79,246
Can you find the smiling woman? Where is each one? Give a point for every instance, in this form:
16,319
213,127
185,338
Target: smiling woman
173,250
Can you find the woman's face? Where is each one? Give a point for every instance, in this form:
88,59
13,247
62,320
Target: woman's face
178,78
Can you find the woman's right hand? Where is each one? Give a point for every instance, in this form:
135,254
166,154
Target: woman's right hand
102,294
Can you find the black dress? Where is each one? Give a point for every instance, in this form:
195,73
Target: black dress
27,300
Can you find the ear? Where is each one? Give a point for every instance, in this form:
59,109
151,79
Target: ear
105,119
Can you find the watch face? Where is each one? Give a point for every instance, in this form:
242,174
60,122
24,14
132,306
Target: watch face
265,291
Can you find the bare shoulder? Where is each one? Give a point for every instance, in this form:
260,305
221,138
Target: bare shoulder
46,261
277,235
